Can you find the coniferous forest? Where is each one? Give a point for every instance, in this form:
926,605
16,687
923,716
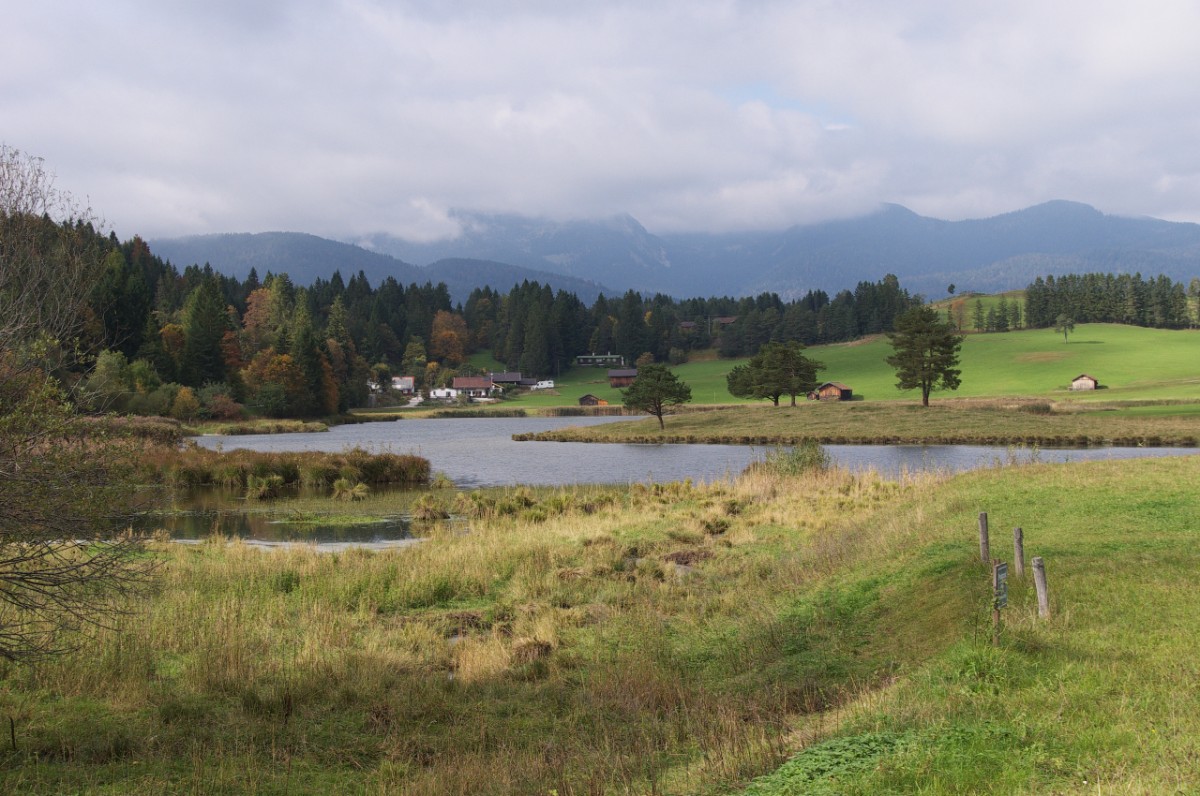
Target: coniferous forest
196,342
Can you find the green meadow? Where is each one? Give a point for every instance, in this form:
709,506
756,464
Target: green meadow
1132,364
790,630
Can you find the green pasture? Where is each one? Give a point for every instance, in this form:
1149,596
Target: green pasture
1132,364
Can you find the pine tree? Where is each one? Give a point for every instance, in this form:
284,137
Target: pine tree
926,352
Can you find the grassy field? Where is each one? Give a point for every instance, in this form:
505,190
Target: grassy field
1133,365
949,422
669,639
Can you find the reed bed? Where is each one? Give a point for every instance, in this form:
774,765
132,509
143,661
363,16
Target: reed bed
241,469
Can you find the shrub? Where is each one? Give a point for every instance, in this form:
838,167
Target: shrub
806,457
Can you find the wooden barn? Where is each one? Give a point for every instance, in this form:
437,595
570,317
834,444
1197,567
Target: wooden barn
1084,382
832,391
591,400
621,377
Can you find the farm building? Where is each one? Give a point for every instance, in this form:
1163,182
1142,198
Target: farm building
621,377
832,391
1084,382
473,386
599,360
591,400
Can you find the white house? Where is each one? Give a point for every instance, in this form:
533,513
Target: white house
443,393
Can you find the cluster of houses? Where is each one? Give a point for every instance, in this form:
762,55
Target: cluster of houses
487,387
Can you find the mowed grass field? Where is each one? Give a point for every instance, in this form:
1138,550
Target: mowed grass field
1132,364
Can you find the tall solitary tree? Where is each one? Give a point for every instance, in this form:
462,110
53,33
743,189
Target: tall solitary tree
1064,324
655,391
926,352
777,369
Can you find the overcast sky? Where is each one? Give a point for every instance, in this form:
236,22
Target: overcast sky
346,118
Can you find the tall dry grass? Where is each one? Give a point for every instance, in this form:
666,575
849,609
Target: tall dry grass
657,638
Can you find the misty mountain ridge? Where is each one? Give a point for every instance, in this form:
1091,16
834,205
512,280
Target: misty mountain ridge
616,254
305,258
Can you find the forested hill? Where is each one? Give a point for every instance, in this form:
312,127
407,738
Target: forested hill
987,255
308,258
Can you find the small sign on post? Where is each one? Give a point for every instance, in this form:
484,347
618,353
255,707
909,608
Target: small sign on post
1000,584
999,597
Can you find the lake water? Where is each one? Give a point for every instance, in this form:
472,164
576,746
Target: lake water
480,452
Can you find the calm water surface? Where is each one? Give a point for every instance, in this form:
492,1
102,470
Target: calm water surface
480,452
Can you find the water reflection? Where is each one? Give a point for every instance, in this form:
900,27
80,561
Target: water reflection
201,524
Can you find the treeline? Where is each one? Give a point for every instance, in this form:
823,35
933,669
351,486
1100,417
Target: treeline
1110,298
197,342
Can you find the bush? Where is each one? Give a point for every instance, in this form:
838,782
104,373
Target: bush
806,457
186,405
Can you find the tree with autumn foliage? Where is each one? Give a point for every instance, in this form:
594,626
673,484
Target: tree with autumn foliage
450,338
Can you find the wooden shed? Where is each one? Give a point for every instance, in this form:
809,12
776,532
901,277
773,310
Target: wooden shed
591,400
621,377
1084,382
834,391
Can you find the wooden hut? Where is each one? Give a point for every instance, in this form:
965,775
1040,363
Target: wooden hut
621,377
834,391
591,400
1084,382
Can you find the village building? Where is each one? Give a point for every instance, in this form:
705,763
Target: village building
405,385
600,360
473,386
1084,382
591,400
621,377
832,391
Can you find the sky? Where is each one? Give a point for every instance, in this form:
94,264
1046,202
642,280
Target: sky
344,118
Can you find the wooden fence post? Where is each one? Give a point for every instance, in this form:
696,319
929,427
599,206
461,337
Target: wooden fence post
984,551
1019,552
1039,581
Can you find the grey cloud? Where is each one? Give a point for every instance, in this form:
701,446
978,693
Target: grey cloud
355,117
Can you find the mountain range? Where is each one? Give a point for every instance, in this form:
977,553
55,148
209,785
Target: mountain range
613,255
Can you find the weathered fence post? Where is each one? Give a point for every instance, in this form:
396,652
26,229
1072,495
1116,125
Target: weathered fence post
984,551
1019,552
1039,581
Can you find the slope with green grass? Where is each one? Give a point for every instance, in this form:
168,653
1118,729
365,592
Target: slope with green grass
1132,363
1098,698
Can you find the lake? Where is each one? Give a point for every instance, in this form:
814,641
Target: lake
480,452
